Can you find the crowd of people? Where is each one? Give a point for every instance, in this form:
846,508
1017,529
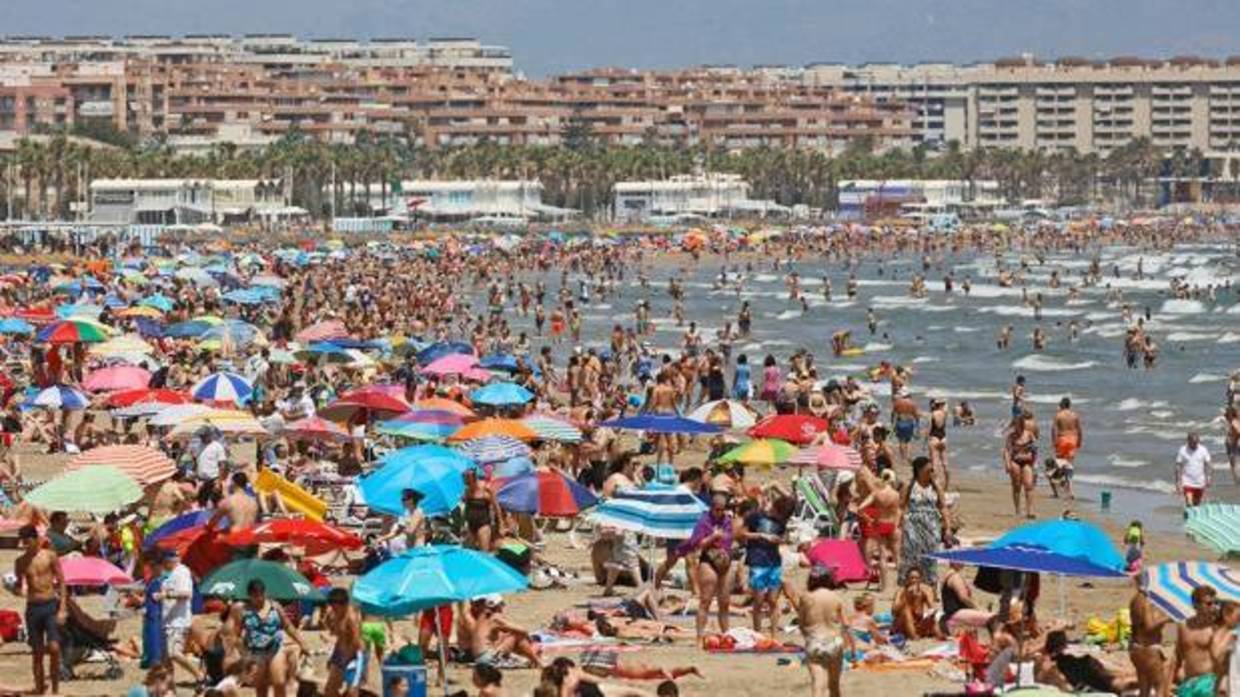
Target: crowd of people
390,301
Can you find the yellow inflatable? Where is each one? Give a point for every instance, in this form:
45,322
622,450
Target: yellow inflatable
850,352
294,497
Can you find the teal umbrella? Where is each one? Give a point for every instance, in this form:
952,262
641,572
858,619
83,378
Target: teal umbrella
96,489
281,582
1216,525
434,575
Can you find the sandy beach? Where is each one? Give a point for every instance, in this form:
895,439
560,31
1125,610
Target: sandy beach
984,513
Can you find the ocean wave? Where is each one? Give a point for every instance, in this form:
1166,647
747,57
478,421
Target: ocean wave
1125,462
1188,336
1040,363
1155,485
1162,413
1022,311
1183,307
1229,338
925,359
1054,399
1205,377
874,346
953,393
789,314
1133,404
965,330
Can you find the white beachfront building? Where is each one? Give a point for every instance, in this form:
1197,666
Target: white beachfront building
689,196
188,201
919,199
476,200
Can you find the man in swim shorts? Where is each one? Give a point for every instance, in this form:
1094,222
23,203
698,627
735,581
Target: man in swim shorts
346,668
820,614
1194,643
1066,432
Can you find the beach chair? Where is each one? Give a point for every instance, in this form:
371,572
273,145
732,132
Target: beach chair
813,507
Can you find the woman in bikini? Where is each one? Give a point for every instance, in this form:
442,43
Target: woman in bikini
481,513
713,537
1020,457
936,439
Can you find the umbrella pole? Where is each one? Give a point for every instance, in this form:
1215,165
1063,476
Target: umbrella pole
443,653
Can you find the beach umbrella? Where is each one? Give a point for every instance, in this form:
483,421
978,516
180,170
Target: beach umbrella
36,314
550,428
102,489
73,331
191,329
323,331
801,429
222,388
146,395
1170,586
315,428
422,424
501,394
727,413
438,480
123,345
61,397
661,423
451,364
316,537
765,451
323,350
174,414
226,421
245,296
268,280
92,571
438,350
117,377
433,575
443,404
282,582
368,401
828,456
1062,547
1216,525
496,361
142,464
15,325
158,302
414,455
493,449
198,276
194,520
139,311
514,467
234,332
81,310
548,494
657,510
512,428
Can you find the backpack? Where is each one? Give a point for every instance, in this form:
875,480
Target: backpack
10,626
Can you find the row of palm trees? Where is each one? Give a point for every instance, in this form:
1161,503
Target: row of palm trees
42,177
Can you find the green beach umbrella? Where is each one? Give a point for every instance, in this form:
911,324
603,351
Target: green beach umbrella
97,489
764,451
281,582
1216,525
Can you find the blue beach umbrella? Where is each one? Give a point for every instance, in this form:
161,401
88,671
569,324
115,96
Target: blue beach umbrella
15,325
434,352
657,510
185,521
61,397
440,482
548,494
661,423
1063,547
501,394
159,302
499,361
244,296
1171,586
433,575
192,329
222,387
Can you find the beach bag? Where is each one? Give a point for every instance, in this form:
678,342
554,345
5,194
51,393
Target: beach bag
516,555
10,625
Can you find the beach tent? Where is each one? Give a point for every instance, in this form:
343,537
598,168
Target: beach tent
1061,547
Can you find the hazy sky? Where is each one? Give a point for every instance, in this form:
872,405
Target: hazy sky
556,35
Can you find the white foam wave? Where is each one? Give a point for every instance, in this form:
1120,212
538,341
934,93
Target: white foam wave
1157,486
925,359
1229,338
953,393
1127,462
1206,377
874,346
1188,336
1183,307
1041,363
965,330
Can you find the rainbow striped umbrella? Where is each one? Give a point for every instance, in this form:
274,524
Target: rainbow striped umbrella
766,451
1170,586
73,331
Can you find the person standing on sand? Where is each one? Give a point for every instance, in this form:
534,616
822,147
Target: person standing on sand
1145,650
1193,471
879,515
41,580
936,439
1232,417
824,624
1193,647
1020,458
713,537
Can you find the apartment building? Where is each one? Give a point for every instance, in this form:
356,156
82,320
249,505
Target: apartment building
1070,103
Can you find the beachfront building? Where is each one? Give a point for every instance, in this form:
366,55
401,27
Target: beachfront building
922,200
687,197
479,200
188,201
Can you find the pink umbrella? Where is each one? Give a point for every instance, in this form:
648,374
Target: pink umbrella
828,456
322,331
92,571
476,375
841,556
117,377
454,364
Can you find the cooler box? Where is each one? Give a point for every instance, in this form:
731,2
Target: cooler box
415,678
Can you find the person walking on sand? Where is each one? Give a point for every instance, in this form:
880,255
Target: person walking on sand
1193,474
41,580
824,624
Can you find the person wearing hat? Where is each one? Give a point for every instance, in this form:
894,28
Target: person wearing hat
176,594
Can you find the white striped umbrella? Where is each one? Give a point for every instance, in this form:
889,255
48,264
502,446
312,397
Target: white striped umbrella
223,387
1216,525
1170,586
493,449
657,510
144,465
552,428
